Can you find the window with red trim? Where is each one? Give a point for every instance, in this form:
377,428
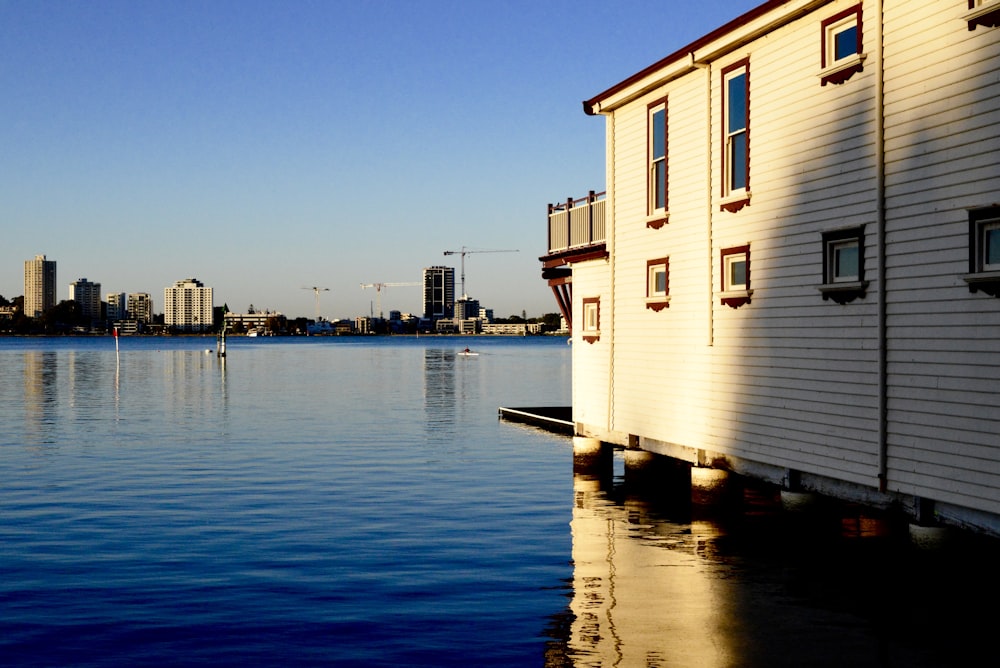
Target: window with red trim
736,136
841,52
658,284
657,159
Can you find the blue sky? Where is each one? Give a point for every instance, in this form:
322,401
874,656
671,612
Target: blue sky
265,147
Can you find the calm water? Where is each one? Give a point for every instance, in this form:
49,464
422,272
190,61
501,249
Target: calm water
356,502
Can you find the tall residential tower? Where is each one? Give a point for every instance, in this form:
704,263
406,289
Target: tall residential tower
187,306
39,286
439,292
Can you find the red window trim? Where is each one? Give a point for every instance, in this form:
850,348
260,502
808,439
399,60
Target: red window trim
653,302
843,75
734,302
591,338
990,19
650,207
736,205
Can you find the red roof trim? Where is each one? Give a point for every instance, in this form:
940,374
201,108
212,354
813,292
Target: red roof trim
588,105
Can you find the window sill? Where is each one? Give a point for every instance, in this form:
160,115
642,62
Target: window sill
844,70
657,303
986,15
986,281
844,292
657,221
735,298
735,202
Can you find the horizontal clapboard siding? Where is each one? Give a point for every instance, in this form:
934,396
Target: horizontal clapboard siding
791,379
942,131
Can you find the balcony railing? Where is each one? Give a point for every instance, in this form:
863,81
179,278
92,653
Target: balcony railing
576,223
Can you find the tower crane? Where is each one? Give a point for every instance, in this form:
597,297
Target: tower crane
378,291
316,292
465,251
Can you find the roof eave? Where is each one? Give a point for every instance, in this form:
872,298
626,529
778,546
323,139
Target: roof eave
721,41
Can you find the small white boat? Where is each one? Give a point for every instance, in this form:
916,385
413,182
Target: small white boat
468,353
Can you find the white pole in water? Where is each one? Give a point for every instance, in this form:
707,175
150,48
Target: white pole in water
117,353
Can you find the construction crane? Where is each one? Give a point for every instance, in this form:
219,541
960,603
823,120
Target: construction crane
316,292
378,291
465,251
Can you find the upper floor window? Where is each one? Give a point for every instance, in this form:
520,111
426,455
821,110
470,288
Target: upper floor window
984,13
658,283
736,276
841,52
736,135
984,251
657,152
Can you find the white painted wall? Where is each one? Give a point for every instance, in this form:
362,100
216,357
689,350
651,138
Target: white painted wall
790,379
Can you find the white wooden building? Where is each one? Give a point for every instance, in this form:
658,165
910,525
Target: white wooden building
795,269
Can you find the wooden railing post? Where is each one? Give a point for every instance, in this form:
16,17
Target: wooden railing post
569,222
591,199
548,225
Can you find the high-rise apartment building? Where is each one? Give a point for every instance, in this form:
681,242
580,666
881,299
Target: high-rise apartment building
140,307
117,306
39,286
439,292
188,306
87,296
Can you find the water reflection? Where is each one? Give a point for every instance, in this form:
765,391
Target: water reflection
40,376
741,578
440,403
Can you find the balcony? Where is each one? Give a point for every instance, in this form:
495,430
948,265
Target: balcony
576,233
576,225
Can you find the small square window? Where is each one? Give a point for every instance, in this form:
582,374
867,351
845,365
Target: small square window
658,284
591,319
984,251
844,264
736,276
841,52
736,272
844,260
990,246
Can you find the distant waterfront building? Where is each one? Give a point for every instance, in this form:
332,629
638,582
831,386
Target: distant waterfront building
87,296
439,292
117,307
467,309
187,306
140,307
39,286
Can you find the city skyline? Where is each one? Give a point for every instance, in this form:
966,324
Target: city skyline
264,147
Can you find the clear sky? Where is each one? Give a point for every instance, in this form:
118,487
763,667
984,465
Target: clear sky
266,147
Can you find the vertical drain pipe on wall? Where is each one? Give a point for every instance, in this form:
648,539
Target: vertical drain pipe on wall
709,213
610,215
883,348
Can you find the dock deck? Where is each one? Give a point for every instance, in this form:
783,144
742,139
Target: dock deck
558,419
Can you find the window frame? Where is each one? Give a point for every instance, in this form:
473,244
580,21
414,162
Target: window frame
735,198
734,295
591,330
983,276
657,300
984,13
657,216
843,289
838,70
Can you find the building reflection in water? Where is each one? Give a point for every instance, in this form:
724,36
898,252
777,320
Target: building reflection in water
727,574
40,395
440,404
